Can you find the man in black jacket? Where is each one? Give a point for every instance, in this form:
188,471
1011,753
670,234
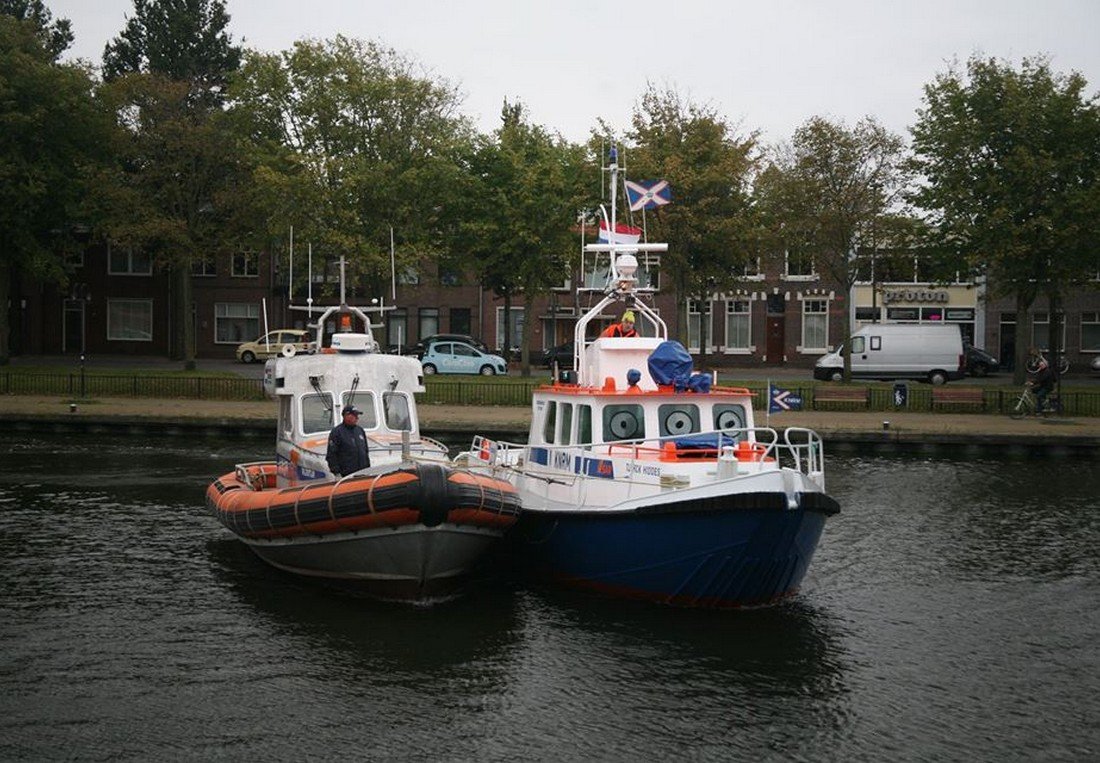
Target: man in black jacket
347,445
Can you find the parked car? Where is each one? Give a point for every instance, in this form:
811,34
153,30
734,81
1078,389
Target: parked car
561,354
272,344
460,358
1095,365
422,346
978,361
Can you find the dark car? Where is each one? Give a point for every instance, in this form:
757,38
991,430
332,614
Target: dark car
562,354
422,346
978,361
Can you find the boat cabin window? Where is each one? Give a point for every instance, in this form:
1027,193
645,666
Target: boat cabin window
676,420
566,423
316,413
623,422
286,422
584,424
364,401
398,415
729,417
549,423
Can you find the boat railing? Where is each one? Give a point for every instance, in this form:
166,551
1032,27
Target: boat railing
799,449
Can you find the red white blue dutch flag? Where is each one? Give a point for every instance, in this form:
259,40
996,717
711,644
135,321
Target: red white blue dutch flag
648,194
624,234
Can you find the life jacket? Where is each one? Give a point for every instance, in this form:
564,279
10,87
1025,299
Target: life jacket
616,330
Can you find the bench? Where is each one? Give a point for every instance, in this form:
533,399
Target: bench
958,397
860,395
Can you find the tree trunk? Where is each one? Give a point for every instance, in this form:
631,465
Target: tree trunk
183,326
506,350
846,334
1023,338
5,313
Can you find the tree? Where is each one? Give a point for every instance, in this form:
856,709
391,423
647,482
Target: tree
55,36
352,141
708,228
832,190
1011,166
166,74
522,199
183,40
51,131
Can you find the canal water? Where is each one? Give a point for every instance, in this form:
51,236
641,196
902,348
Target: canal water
951,613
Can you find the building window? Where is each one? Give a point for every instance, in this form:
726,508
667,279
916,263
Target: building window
697,313
450,277
460,320
1090,332
408,276
75,259
799,266
246,265
738,326
429,321
130,320
1040,332
203,266
815,325
648,273
123,261
751,270
397,329
236,322
516,323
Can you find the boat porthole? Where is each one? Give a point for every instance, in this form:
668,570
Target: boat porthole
623,424
678,422
727,420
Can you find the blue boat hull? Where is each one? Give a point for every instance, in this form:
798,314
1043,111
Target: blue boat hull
741,550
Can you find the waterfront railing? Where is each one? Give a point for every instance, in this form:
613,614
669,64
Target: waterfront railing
517,392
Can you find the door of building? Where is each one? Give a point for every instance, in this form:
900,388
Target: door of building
72,332
775,339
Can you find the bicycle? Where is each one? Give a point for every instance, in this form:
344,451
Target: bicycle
1028,405
1033,361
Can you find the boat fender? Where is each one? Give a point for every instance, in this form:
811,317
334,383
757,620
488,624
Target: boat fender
432,497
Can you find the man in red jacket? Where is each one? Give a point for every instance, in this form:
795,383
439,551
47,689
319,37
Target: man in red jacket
624,328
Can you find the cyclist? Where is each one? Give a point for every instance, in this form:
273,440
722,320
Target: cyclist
1042,384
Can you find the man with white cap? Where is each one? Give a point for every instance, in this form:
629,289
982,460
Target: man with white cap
624,328
347,445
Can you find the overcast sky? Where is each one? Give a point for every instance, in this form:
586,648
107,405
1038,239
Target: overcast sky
765,65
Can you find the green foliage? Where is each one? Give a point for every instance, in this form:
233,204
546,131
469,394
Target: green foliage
50,132
833,190
350,139
709,227
183,40
1011,167
522,196
55,36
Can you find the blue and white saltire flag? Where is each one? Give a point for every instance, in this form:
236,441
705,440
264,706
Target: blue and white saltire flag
782,400
648,194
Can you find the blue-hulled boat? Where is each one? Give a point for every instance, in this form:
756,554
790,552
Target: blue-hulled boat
641,479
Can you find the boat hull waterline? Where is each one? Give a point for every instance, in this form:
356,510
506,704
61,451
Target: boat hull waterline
412,532
744,550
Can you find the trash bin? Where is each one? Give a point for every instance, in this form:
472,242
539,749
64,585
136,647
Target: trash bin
901,395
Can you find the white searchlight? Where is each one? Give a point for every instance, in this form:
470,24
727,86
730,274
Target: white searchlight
627,266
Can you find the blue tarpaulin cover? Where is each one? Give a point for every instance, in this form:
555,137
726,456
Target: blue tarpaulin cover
670,366
712,441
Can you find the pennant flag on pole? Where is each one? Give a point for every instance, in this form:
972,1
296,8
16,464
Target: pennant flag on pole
624,234
648,194
782,400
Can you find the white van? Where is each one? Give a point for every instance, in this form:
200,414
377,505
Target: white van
900,351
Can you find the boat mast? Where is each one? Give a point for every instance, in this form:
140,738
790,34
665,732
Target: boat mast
621,280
